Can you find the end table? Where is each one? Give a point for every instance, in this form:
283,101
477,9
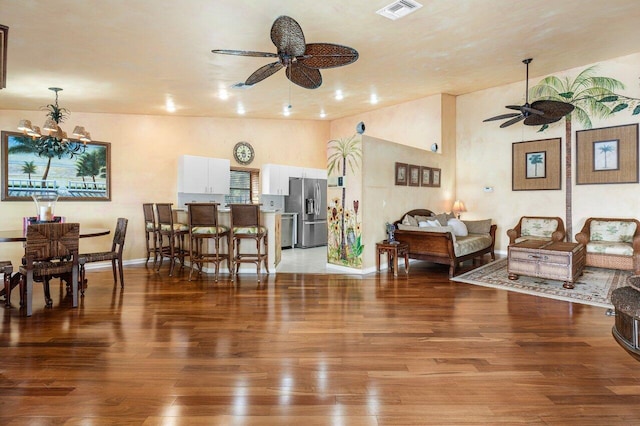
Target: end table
393,250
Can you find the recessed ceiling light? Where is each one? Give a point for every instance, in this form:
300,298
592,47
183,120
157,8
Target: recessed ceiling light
286,110
323,114
373,99
223,94
339,95
240,109
169,105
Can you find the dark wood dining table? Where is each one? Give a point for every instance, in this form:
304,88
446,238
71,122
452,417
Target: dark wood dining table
17,235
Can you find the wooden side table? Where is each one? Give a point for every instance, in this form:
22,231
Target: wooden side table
393,250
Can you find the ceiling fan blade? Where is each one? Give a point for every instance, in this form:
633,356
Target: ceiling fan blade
531,110
309,78
516,107
263,72
287,35
502,116
539,120
553,108
328,55
245,53
512,121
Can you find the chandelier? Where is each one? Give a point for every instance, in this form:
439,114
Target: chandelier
52,141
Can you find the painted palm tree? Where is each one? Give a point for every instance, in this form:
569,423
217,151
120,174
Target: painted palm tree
26,145
81,171
28,168
535,159
604,150
93,165
342,153
592,96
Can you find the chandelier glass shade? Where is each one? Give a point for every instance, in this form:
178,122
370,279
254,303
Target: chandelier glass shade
52,141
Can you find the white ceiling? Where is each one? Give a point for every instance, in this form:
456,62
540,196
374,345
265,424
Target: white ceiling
119,56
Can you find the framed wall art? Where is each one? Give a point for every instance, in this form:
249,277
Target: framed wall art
414,175
435,177
536,165
607,155
425,176
402,173
84,177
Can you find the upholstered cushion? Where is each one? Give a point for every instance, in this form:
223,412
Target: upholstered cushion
609,247
471,244
149,226
409,220
209,229
478,226
178,227
459,228
443,218
538,227
612,230
248,229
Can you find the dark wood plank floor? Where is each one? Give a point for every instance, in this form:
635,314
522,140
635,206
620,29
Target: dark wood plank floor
311,350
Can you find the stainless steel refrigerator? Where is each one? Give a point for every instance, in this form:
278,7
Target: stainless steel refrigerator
308,198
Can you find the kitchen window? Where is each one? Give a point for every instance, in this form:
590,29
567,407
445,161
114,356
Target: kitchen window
244,186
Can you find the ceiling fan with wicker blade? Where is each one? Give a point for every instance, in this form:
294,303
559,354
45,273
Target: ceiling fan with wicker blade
534,114
302,61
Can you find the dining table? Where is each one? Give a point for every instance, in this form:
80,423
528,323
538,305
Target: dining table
20,235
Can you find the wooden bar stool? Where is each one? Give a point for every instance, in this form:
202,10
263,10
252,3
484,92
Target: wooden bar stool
203,227
151,232
245,224
174,234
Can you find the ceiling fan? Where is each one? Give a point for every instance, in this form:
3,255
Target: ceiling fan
534,114
302,61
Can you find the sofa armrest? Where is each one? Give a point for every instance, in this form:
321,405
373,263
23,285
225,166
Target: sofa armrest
513,235
636,244
582,238
558,236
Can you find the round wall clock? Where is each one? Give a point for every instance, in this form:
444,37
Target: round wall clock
243,153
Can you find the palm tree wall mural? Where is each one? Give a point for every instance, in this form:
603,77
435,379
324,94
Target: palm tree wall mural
342,154
592,96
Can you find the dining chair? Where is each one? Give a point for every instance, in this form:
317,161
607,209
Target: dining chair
203,227
6,268
171,237
151,232
114,255
245,225
51,250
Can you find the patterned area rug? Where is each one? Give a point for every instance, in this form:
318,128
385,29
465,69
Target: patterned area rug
594,287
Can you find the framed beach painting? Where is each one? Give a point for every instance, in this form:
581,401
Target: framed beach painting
84,177
607,155
536,165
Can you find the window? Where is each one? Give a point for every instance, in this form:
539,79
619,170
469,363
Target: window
244,187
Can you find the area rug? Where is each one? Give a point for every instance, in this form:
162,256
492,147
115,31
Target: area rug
594,287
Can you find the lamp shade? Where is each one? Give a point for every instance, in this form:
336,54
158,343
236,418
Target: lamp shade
459,207
25,125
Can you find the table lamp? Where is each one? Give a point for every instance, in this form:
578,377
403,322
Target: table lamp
459,207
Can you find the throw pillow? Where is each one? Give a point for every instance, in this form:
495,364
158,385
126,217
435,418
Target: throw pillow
433,223
423,224
478,226
442,218
409,220
459,228
422,218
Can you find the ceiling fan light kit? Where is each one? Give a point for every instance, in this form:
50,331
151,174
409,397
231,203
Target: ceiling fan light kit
535,114
302,61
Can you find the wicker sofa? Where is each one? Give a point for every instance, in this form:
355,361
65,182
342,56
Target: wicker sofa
537,228
612,243
441,245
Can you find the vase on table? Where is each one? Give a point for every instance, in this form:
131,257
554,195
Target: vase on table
45,206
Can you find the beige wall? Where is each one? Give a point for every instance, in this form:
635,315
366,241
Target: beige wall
484,158
144,154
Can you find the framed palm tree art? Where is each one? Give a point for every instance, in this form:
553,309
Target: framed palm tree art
536,165
607,155
83,176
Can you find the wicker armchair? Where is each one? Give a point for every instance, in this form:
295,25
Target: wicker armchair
612,243
537,228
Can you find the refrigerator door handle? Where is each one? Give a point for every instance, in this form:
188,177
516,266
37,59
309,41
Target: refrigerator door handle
314,222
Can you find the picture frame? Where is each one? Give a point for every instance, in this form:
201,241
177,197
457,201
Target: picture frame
414,175
402,173
425,176
536,165
85,177
607,155
436,177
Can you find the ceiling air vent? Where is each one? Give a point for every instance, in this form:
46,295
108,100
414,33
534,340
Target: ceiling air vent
398,9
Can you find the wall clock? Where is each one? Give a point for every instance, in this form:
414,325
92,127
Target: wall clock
243,153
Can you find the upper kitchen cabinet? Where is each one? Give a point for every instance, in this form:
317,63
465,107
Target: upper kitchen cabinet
203,175
275,177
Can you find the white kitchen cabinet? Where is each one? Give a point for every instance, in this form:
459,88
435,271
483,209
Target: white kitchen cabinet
275,179
314,173
203,175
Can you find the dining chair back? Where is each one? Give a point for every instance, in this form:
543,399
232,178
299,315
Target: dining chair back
171,237
245,224
151,232
51,250
114,255
203,227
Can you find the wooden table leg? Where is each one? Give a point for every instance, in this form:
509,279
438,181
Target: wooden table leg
406,262
378,260
395,262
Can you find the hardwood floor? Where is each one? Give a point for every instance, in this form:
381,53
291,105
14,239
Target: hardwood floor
312,350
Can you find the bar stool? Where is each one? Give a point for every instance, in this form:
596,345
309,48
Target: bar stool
151,232
245,224
203,226
174,233
6,268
